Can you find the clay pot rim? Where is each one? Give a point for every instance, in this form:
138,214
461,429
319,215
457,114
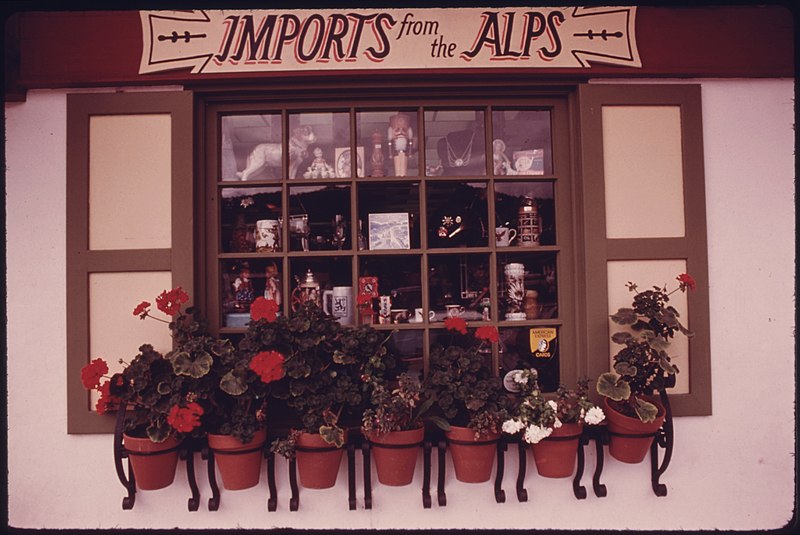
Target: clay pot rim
662,411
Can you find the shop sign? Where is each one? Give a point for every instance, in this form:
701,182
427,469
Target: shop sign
230,41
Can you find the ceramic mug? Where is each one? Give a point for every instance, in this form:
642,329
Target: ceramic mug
268,235
399,315
503,236
418,315
339,304
454,311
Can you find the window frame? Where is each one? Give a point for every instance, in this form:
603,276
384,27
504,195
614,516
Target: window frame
692,247
82,261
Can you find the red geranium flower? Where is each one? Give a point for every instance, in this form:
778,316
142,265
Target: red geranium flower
169,302
141,309
687,281
93,372
184,419
488,332
263,308
456,324
107,402
268,365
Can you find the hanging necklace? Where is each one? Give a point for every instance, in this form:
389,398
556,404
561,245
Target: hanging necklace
452,158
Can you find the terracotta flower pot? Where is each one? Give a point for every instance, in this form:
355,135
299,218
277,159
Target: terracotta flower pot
155,467
473,458
317,461
395,455
555,455
238,470
623,446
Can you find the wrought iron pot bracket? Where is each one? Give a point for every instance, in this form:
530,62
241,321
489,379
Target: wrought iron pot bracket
599,434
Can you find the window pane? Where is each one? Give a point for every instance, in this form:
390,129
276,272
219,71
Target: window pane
319,218
130,173
643,166
527,286
455,143
531,347
319,146
459,286
114,332
390,139
522,142
646,274
252,147
250,219
457,214
525,214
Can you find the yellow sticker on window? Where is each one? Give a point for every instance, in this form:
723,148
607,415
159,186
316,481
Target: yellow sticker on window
542,339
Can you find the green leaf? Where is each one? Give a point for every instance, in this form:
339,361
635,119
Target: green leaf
625,368
183,364
625,316
666,365
158,431
233,385
611,386
332,435
340,357
440,422
621,337
646,411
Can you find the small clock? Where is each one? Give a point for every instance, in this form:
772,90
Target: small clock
344,162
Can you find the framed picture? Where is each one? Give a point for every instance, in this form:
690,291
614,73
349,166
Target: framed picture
368,286
389,231
344,162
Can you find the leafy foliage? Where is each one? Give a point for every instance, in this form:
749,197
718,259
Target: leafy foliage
643,365
323,365
465,391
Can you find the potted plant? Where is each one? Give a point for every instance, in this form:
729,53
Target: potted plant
321,384
237,414
641,367
469,397
162,391
552,426
394,423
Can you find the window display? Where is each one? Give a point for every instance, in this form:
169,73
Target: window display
405,202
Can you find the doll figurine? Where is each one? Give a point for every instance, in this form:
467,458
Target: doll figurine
401,136
319,168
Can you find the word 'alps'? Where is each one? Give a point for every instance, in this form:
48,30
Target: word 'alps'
337,37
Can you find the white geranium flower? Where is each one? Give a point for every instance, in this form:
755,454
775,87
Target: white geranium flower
512,426
557,424
553,404
534,434
595,415
520,378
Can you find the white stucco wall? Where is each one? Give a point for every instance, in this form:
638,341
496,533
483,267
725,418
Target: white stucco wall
734,470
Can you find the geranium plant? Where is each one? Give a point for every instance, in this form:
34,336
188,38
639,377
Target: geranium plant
321,367
165,392
461,382
643,365
238,404
538,416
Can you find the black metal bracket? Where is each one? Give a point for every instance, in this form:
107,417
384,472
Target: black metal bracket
440,495
522,451
294,501
272,501
499,493
367,467
426,474
351,475
207,454
129,482
663,439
